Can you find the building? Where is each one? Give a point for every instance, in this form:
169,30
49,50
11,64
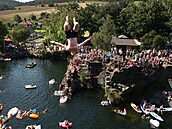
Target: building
26,23
125,43
29,24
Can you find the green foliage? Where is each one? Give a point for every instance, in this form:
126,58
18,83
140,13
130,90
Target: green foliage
51,5
55,29
83,73
3,30
147,40
8,4
20,33
153,40
17,18
32,17
88,18
102,38
72,6
44,15
113,95
159,42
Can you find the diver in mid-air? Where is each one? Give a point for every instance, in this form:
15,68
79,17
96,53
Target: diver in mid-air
71,35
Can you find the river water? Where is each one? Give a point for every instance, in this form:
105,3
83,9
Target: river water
83,109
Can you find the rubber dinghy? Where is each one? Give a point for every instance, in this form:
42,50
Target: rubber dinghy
52,81
63,99
12,111
65,124
155,123
30,86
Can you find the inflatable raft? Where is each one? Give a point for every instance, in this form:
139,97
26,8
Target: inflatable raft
34,115
65,124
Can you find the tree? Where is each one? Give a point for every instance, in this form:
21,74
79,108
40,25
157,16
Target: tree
44,15
153,40
33,17
20,33
72,6
51,5
17,18
3,32
147,40
89,19
113,96
55,29
103,37
159,42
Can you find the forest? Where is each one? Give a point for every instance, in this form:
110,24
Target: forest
149,21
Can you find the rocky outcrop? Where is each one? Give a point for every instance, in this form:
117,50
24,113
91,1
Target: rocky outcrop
138,82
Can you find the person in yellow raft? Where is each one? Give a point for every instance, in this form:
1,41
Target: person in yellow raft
71,35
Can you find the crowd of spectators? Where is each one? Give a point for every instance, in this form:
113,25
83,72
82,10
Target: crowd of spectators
153,58
121,59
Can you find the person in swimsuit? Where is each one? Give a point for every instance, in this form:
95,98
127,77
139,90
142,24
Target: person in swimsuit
71,35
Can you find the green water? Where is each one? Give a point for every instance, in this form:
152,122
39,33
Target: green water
83,110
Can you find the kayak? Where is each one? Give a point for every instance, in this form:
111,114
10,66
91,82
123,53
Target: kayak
63,99
65,124
12,111
136,108
168,109
146,112
154,123
156,116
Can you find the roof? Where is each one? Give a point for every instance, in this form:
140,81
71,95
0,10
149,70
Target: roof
122,37
8,40
25,23
125,42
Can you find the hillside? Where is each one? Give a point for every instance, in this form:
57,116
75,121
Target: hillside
8,4
39,2
47,2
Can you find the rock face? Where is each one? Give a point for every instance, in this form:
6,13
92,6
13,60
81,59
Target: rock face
141,82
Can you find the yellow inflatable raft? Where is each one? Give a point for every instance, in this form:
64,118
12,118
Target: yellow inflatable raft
35,116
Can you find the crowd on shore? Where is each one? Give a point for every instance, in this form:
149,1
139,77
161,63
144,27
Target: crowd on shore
153,58
122,59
